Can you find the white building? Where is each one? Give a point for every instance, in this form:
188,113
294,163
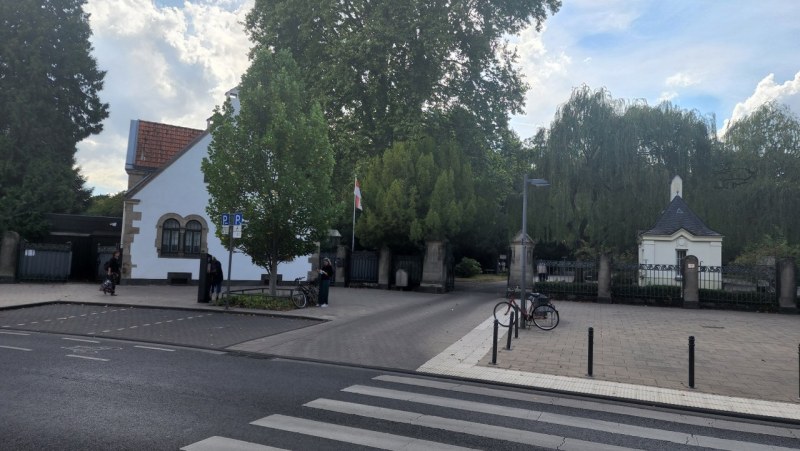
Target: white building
165,225
678,232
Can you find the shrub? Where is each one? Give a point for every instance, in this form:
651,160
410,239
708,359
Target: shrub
468,267
258,301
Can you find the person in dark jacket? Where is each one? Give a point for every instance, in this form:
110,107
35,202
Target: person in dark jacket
325,276
113,271
216,277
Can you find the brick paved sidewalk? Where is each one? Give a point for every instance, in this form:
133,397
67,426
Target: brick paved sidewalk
742,354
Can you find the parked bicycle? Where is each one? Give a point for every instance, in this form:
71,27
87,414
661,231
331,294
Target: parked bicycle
540,310
305,293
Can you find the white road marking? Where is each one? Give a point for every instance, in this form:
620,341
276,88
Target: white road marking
597,406
154,348
217,443
80,339
347,434
463,427
564,420
15,348
13,333
87,357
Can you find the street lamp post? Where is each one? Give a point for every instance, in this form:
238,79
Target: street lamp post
539,183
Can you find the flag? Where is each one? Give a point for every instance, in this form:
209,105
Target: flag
357,192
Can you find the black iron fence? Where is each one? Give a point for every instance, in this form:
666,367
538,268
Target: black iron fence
577,278
731,286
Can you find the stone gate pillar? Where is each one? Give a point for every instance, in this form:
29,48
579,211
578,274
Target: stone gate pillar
434,272
787,272
384,267
691,286
339,266
604,280
8,256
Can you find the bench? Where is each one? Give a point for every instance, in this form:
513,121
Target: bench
179,278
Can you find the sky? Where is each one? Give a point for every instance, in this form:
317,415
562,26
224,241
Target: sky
172,61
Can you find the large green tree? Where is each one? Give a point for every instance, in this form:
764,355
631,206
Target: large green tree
271,161
383,68
49,86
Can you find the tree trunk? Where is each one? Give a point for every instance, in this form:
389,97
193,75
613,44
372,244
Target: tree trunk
273,278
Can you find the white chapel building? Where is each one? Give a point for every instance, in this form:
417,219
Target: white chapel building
678,232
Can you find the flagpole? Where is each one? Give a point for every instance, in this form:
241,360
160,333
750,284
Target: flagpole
353,240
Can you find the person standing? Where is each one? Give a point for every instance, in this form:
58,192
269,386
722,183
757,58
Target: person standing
216,277
541,268
325,275
112,271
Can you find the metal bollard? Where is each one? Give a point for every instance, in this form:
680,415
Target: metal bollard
691,361
591,350
494,344
798,371
510,327
516,329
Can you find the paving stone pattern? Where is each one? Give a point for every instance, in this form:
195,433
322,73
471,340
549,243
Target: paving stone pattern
745,354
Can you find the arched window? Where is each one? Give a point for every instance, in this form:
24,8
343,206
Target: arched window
170,237
191,240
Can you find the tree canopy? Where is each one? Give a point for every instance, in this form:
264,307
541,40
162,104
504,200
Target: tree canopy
610,164
49,90
381,68
271,161
419,189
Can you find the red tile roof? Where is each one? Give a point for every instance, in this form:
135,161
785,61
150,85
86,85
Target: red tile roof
156,143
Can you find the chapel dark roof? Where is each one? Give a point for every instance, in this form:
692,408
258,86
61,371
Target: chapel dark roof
678,216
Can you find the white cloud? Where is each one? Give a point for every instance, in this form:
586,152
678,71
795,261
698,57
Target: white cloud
681,80
767,90
164,64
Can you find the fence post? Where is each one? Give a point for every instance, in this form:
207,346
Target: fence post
691,361
494,344
591,350
510,327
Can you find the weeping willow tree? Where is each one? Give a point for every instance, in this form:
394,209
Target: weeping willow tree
609,164
758,179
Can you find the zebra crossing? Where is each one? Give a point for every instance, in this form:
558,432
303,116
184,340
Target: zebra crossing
407,413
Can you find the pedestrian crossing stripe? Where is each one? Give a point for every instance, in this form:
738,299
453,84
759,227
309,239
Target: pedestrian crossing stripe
563,420
217,443
463,427
385,440
638,412
380,440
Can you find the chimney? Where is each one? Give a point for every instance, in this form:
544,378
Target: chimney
676,188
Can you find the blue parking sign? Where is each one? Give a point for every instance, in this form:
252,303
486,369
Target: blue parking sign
226,219
238,218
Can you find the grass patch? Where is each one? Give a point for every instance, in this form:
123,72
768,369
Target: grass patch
258,301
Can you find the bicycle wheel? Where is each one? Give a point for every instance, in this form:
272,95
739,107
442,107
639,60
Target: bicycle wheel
502,313
545,317
299,298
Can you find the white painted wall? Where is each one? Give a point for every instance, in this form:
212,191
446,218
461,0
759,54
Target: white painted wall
180,189
661,250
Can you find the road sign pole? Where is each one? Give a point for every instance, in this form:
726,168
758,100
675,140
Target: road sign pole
230,258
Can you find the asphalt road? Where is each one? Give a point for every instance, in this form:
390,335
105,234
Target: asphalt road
67,392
